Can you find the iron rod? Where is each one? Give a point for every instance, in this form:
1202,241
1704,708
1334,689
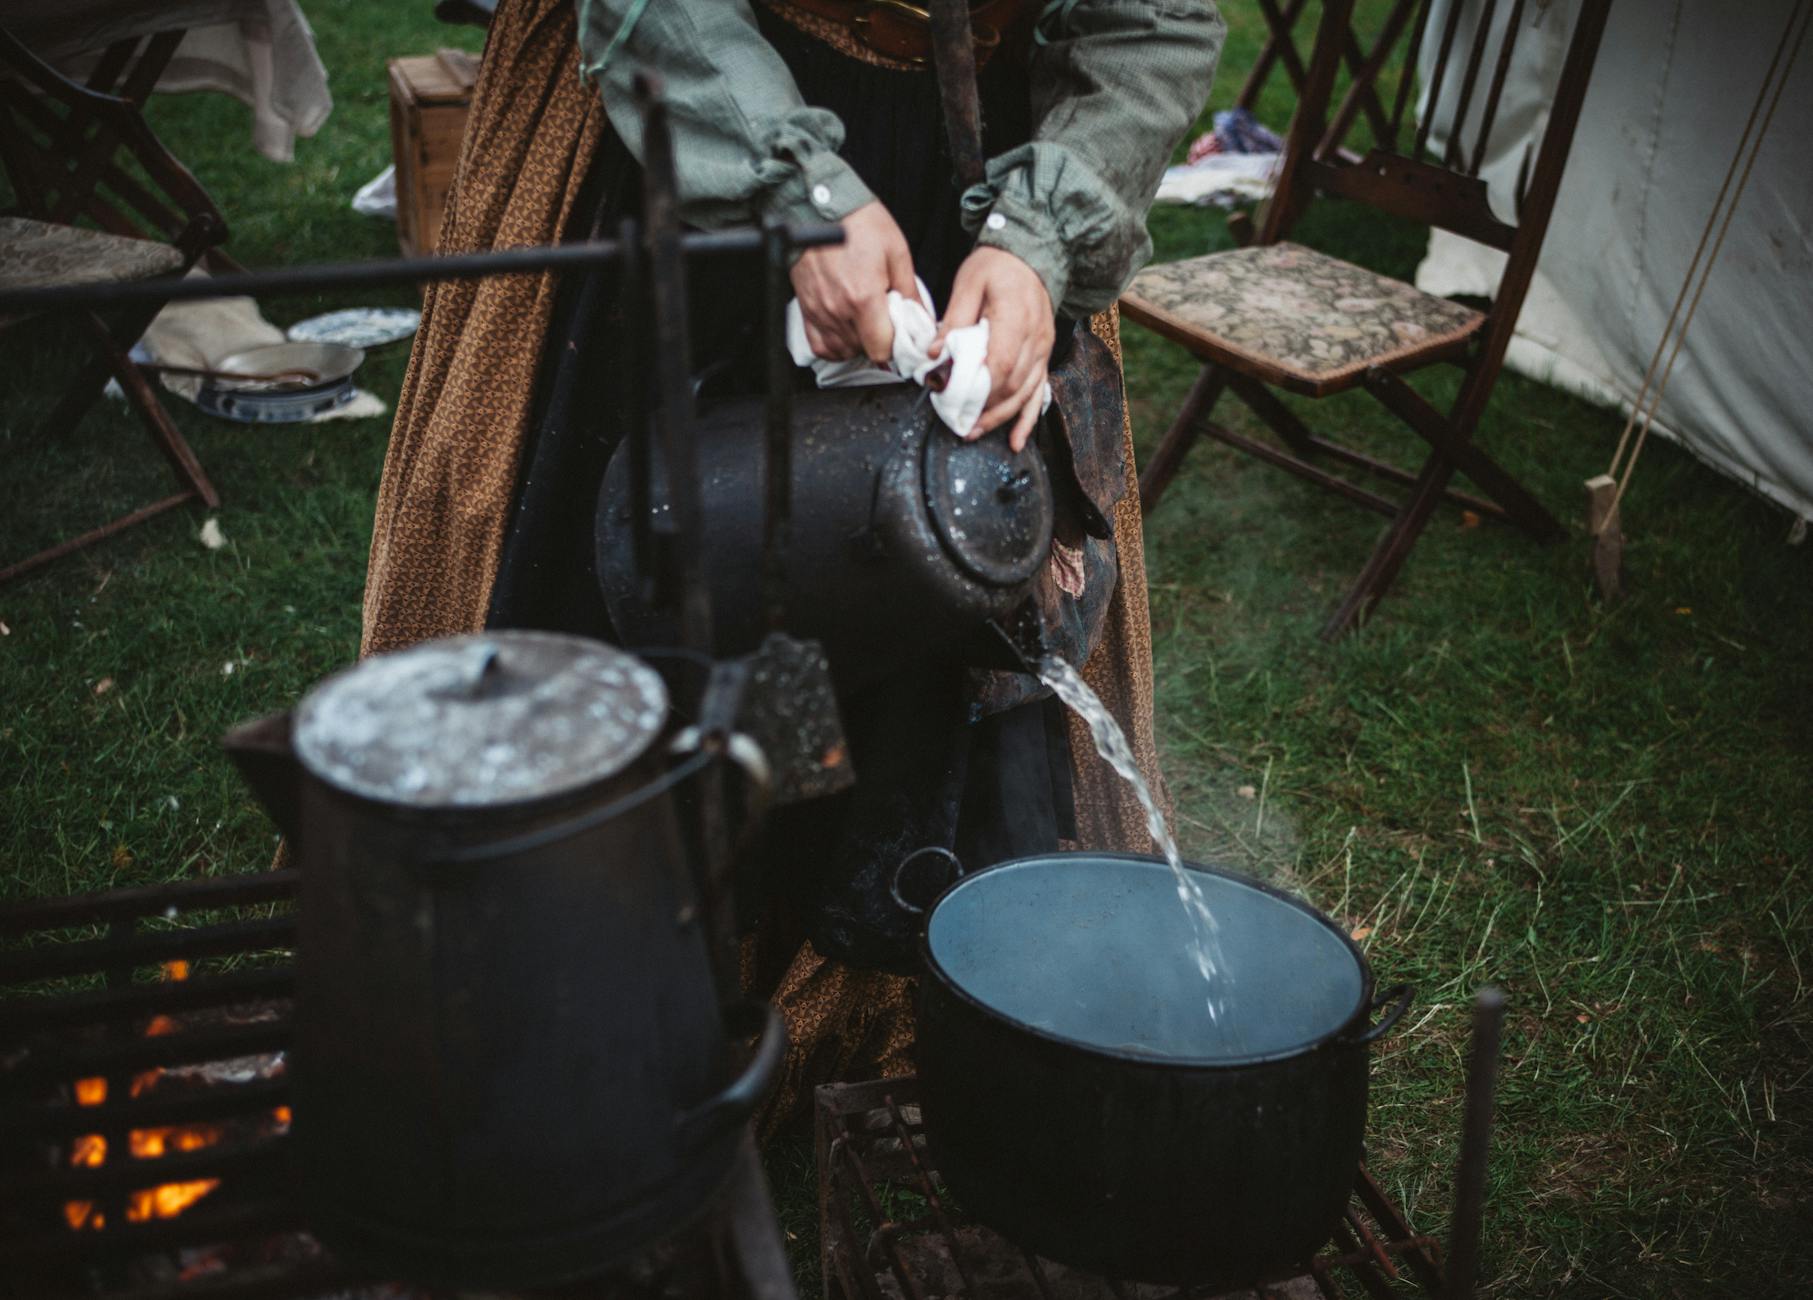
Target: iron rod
634,396
129,1175
672,361
145,949
1475,1144
205,1105
192,1047
777,519
200,1226
391,271
954,60
148,900
20,1015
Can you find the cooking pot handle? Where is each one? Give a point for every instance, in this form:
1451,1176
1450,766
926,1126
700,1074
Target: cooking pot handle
930,850
732,1107
1400,997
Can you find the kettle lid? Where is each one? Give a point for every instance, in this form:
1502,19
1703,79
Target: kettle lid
474,721
992,507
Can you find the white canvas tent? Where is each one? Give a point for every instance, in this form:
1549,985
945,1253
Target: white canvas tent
1675,81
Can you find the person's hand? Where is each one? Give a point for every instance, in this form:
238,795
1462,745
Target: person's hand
843,289
995,284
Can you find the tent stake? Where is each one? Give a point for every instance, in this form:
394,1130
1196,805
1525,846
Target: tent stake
1608,535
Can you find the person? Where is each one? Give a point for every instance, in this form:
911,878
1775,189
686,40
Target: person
794,109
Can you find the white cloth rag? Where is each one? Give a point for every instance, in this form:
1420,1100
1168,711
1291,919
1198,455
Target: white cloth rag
965,394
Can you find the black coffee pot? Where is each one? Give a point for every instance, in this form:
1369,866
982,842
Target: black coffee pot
510,1064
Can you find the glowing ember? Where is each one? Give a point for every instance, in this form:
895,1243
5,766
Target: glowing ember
168,1201
149,1143
89,1151
165,1201
176,969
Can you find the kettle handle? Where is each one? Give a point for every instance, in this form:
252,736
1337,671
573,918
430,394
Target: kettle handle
930,850
731,1108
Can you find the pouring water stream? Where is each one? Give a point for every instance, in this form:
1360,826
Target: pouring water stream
1111,744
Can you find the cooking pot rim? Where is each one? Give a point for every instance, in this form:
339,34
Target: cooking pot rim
1343,1035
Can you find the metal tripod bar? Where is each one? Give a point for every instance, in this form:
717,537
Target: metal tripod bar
395,270
1476,1137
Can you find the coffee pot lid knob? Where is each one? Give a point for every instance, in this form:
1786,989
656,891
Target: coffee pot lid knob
476,721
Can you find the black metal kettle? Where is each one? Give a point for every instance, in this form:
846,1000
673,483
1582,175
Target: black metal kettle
904,538
511,1063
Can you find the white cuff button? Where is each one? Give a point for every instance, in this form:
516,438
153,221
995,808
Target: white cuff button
996,221
821,195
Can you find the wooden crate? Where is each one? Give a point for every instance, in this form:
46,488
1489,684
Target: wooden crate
429,97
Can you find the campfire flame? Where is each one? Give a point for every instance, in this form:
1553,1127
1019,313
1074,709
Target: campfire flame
168,1200
89,1151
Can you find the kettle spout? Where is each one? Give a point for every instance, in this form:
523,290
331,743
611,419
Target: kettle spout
261,750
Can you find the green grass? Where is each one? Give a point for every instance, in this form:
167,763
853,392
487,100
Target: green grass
1603,809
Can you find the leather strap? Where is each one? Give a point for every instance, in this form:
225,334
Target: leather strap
954,57
901,30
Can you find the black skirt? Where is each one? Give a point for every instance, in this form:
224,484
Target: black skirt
927,774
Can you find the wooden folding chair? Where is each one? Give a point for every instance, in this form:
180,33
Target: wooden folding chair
1276,315
97,198
1280,50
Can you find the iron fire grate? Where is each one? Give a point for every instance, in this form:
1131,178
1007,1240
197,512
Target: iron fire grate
888,1233
144,1122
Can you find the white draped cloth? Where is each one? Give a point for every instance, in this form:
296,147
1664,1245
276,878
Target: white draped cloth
261,52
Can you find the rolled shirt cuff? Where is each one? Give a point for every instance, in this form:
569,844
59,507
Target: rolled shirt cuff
817,188
1027,230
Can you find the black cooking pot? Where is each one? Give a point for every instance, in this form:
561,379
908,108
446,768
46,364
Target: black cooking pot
1080,1098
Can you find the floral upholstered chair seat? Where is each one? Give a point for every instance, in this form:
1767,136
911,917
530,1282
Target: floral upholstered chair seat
34,254
1295,317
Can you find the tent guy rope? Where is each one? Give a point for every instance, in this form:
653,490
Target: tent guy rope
1606,491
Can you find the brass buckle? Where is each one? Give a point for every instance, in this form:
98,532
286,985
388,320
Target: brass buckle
861,20
986,37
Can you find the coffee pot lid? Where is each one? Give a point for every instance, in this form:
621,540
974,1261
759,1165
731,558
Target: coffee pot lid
476,721
992,507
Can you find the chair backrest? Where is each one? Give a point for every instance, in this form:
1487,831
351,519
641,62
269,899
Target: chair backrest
75,156
1429,170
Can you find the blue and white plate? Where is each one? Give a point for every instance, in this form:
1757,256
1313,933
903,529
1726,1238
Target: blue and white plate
358,327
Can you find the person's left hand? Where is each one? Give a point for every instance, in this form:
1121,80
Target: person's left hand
995,284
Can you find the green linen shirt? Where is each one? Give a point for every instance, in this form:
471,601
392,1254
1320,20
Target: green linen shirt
1115,84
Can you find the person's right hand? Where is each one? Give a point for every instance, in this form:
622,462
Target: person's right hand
843,289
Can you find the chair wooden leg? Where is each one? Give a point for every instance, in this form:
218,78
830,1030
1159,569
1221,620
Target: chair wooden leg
157,421
1276,416
1520,507
1393,548
81,395
1196,407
